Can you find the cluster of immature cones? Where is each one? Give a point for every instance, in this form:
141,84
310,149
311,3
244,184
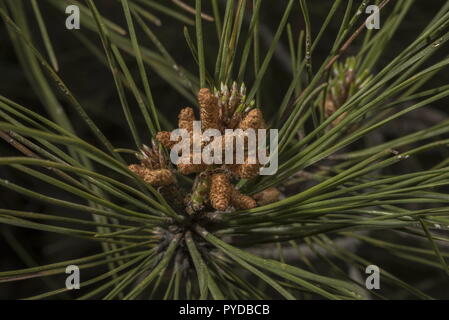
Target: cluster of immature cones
218,111
223,109
345,82
153,167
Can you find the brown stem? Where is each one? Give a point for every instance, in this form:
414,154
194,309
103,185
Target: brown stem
351,39
188,8
5,136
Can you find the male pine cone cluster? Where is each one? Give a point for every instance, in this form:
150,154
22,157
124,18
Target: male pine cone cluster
224,109
221,111
152,168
